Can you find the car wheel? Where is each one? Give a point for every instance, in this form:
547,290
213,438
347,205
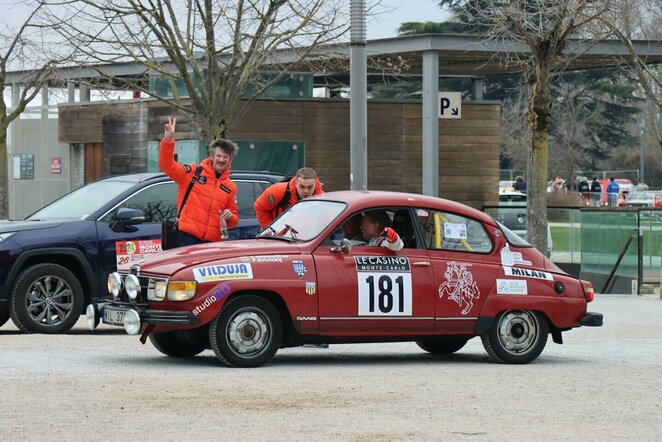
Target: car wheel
516,336
172,345
247,332
442,346
47,298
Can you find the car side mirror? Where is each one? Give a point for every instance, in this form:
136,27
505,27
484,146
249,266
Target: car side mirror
345,247
127,217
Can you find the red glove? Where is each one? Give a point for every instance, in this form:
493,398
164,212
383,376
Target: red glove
390,235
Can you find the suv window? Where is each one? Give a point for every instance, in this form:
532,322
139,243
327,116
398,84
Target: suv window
157,202
448,231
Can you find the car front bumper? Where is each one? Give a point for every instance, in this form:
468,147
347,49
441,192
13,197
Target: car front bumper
118,314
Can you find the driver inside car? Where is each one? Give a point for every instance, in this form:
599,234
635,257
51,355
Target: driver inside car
377,231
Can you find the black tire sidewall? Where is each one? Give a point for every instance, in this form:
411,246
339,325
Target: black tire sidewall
18,310
505,356
217,331
442,346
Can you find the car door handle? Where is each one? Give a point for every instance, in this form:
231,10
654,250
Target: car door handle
421,264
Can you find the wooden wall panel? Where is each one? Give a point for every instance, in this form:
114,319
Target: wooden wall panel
468,147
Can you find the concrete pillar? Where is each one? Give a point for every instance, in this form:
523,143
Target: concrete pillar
430,123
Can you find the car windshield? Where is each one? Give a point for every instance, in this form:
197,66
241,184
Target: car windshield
83,201
304,221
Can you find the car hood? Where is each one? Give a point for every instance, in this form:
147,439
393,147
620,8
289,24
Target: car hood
171,261
18,226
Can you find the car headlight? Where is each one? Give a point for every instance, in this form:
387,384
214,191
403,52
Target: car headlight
4,236
114,284
132,286
157,289
181,290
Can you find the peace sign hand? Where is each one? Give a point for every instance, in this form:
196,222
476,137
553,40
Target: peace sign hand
169,128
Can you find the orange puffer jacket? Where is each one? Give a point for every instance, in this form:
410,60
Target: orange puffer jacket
266,205
208,196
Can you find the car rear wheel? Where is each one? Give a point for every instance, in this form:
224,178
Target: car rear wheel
442,346
172,345
247,332
47,298
516,336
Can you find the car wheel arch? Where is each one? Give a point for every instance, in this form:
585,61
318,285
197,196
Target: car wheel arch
71,259
274,298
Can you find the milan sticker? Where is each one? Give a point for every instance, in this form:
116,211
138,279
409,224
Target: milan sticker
511,287
527,273
459,286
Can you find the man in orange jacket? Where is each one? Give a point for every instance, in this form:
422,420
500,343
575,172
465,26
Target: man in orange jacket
213,194
278,197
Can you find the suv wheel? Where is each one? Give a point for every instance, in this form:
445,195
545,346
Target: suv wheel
47,298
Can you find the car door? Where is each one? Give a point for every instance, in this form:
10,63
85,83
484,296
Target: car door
373,291
465,270
120,248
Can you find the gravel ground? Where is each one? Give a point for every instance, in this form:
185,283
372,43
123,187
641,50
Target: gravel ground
601,384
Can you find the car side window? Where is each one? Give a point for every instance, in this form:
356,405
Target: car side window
157,202
448,231
245,198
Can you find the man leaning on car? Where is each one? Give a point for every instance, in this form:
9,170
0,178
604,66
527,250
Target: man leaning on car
213,194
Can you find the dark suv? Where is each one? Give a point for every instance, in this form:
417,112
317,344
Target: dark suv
58,259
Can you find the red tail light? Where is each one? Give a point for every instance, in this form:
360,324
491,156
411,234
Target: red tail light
588,291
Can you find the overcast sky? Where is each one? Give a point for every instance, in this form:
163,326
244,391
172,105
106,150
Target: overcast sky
401,11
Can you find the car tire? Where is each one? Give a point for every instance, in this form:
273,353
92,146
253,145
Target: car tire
175,346
247,332
516,336
47,298
441,346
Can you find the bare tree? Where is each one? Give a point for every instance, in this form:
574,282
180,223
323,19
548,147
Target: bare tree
546,28
640,19
217,57
24,48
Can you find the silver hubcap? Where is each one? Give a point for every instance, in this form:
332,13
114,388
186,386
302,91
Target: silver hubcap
49,300
249,332
518,331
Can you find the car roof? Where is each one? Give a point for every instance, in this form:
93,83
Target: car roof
359,200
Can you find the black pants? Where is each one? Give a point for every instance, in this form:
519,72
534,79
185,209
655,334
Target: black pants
186,239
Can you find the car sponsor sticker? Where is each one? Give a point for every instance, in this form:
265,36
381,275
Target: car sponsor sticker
511,287
223,272
268,258
310,288
129,252
455,231
299,268
527,273
385,287
509,258
218,294
459,286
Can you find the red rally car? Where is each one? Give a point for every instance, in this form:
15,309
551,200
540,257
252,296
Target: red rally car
460,274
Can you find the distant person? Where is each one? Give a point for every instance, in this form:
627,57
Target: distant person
557,184
279,197
596,192
377,231
584,189
213,194
612,192
520,184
